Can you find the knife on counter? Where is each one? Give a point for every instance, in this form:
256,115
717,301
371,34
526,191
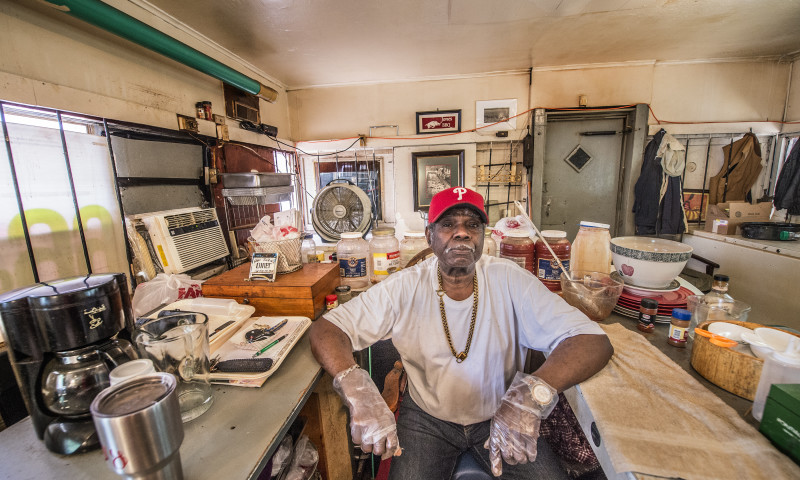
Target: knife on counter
221,327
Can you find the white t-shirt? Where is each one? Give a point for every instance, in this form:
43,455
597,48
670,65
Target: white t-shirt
515,311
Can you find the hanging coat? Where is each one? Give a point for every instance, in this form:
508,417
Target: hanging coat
787,189
740,170
647,191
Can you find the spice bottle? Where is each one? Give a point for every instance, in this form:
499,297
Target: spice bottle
412,243
385,252
648,310
331,301
352,254
591,250
343,293
207,108
547,269
200,109
489,245
678,327
518,247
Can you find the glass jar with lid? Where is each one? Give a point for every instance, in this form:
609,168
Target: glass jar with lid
591,250
384,250
518,247
308,249
489,245
547,268
412,243
352,253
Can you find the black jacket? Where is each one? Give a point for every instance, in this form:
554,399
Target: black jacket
787,190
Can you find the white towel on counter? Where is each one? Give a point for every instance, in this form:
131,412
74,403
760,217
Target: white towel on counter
656,419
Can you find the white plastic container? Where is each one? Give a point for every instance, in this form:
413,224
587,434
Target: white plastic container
308,250
779,367
413,242
591,250
352,253
384,250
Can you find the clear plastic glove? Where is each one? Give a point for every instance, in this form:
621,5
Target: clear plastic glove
372,424
515,425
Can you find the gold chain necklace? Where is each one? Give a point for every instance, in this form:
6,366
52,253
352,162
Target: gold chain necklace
460,357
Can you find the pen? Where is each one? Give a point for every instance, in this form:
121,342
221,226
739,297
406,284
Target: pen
272,344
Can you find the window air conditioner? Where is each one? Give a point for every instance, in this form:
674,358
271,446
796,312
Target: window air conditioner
186,238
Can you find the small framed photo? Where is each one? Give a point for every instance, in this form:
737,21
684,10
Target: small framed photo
434,172
445,121
495,115
695,205
264,266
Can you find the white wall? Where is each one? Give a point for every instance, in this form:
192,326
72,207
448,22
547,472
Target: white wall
793,100
51,60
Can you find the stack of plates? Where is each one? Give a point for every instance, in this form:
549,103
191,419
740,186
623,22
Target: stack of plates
672,296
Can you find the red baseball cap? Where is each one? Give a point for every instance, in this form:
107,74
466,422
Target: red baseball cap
455,197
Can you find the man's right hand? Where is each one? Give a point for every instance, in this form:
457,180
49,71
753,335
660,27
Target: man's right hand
372,424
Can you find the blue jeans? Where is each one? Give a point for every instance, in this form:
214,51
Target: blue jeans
431,448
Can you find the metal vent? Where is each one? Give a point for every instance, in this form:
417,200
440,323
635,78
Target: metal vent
578,158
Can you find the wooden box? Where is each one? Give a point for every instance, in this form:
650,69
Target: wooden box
299,293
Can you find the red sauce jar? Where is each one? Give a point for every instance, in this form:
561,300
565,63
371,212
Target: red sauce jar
517,246
547,269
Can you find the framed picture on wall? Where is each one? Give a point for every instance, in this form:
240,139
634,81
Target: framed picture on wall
445,121
434,172
695,205
493,115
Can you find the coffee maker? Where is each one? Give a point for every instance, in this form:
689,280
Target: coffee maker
64,338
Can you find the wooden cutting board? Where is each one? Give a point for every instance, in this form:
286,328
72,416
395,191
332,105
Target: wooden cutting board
301,293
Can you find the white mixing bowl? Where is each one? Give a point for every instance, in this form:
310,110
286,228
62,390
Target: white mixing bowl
649,262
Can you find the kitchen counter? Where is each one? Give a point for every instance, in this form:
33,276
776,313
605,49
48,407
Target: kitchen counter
646,419
789,248
235,438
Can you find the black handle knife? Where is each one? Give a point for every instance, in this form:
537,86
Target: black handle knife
220,328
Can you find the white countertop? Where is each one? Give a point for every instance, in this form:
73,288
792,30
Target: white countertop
790,248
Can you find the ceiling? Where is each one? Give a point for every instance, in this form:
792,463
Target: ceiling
302,43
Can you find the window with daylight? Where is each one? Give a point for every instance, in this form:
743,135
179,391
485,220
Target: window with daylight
55,170
359,168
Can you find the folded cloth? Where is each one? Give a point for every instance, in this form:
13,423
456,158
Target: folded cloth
656,419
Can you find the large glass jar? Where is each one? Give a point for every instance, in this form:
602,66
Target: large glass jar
518,247
308,250
547,268
412,243
489,245
384,249
352,253
591,250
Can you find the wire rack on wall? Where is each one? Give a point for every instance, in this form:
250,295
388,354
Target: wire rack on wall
500,177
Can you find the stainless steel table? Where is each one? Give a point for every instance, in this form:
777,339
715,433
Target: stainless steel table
235,438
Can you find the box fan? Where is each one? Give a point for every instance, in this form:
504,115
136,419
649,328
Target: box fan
341,207
186,238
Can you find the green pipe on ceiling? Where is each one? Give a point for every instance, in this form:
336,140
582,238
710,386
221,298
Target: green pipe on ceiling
119,23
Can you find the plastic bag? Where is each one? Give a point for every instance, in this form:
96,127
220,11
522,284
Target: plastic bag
304,463
265,231
504,225
165,288
282,456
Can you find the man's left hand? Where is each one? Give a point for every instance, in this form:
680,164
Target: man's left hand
514,430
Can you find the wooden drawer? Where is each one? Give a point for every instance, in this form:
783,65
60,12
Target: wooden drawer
299,293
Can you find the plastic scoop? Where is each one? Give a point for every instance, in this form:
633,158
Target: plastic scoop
715,339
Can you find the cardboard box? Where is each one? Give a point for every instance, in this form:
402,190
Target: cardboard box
301,293
735,213
781,421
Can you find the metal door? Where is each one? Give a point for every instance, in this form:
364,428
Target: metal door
581,178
